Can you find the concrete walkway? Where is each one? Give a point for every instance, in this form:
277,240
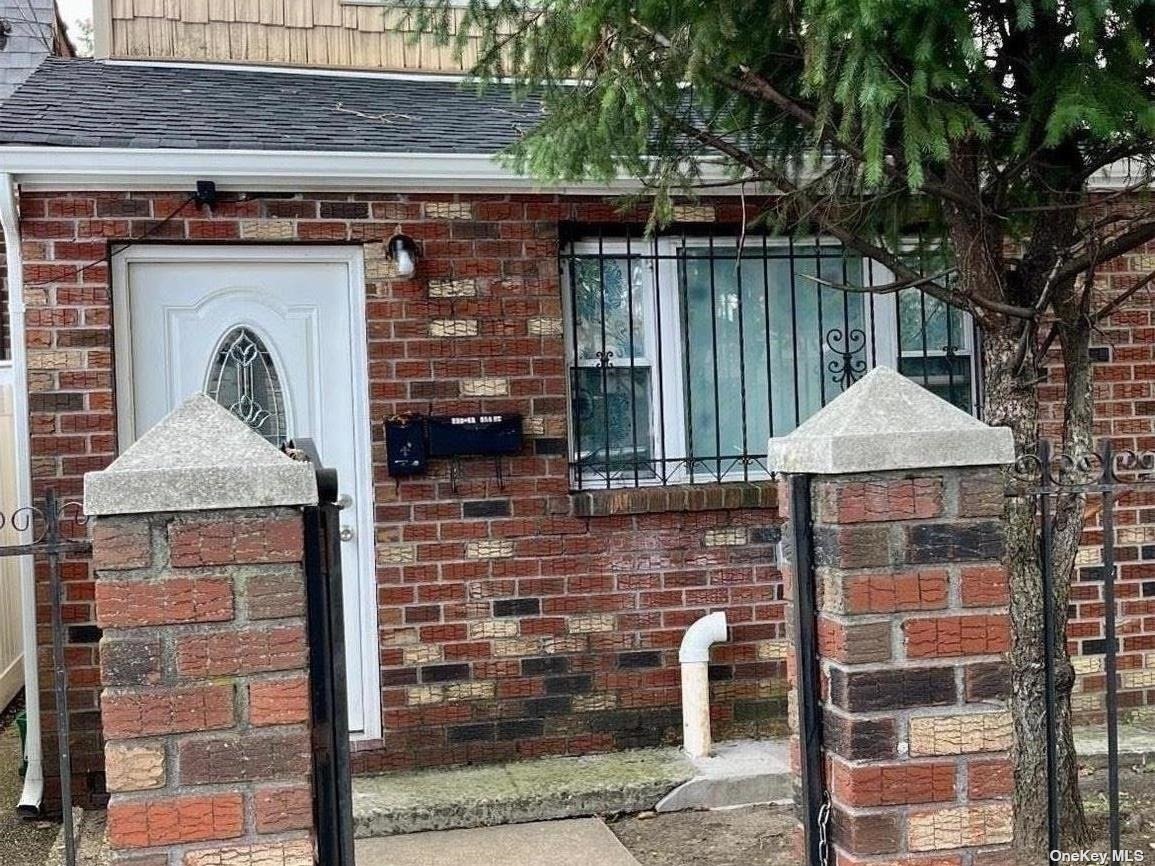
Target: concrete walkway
579,842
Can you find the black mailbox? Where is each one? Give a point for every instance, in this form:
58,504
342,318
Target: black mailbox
462,435
405,449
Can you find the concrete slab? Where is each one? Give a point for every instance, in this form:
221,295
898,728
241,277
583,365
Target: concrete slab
520,792
739,773
578,842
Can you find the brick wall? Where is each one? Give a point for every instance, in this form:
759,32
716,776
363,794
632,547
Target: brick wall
514,622
912,625
519,621
206,694
1123,349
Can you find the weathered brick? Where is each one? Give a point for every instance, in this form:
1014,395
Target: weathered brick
130,661
298,852
280,808
854,546
959,827
869,833
878,500
121,543
172,601
156,820
892,784
858,739
167,711
987,681
985,586
465,288
250,757
888,592
981,494
275,595
134,766
988,779
879,690
444,328
954,542
245,540
854,642
960,734
279,701
248,651
949,636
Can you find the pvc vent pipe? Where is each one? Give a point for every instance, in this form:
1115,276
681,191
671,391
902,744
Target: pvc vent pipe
694,656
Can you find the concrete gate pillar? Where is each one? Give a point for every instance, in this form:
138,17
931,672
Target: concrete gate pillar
906,544
198,549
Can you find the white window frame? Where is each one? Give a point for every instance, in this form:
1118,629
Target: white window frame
667,383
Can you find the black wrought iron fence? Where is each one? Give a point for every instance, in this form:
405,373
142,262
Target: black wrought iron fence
1104,485
688,352
54,530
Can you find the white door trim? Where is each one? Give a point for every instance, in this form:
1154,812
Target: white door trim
353,258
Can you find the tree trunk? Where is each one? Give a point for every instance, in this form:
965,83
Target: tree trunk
1011,400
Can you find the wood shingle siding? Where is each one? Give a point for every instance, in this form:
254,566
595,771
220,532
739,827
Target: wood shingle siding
323,33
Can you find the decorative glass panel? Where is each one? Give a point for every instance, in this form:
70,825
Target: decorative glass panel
243,379
612,420
609,310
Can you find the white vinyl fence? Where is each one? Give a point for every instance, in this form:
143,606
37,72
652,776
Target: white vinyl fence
11,643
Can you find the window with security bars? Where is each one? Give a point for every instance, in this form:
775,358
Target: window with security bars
686,354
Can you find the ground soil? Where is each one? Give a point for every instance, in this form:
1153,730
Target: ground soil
22,843
752,836
761,835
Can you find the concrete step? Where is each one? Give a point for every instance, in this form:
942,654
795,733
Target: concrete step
554,788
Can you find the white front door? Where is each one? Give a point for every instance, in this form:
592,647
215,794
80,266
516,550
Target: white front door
277,335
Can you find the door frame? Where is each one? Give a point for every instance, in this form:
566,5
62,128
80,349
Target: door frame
353,258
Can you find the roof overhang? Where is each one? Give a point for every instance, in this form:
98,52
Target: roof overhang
77,168
97,168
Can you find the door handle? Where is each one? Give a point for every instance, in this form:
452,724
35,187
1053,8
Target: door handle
347,533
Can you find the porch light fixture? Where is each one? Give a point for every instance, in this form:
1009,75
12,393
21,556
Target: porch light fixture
5,32
402,251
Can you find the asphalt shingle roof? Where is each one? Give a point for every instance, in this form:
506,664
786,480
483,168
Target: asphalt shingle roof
86,103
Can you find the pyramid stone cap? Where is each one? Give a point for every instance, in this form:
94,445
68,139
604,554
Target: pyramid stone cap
199,458
885,422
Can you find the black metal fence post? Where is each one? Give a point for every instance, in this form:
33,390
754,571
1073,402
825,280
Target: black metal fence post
809,688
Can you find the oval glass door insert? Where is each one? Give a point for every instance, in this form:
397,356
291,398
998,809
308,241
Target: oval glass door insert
243,379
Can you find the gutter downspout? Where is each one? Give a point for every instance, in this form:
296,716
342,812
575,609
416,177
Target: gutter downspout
33,794
694,656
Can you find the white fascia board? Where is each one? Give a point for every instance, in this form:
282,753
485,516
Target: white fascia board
82,168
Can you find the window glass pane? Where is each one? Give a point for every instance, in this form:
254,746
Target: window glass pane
243,379
766,345
928,324
609,305
611,419
948,376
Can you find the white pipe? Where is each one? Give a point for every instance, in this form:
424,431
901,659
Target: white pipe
33,793
694,656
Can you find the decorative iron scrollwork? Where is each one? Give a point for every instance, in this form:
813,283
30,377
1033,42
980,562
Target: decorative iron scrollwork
1047,469
847,368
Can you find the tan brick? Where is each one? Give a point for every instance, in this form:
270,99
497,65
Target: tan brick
423,654
489,549
396,554
588,623
523,646
1142,679
727,537
268,230
545,326
594,703
419,696
773,650
1088,556
58,360
452,288
689,213
533,425
959,827
1087,664
298,852
453,328
563,645
475,691
448,210
1135,535
134,767
485,387
960,734
493,628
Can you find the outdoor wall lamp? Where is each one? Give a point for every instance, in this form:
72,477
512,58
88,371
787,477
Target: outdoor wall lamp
5,32
402,251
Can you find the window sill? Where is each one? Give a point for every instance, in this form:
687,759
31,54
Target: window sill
686,497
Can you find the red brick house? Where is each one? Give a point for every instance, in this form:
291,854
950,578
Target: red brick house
497,608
